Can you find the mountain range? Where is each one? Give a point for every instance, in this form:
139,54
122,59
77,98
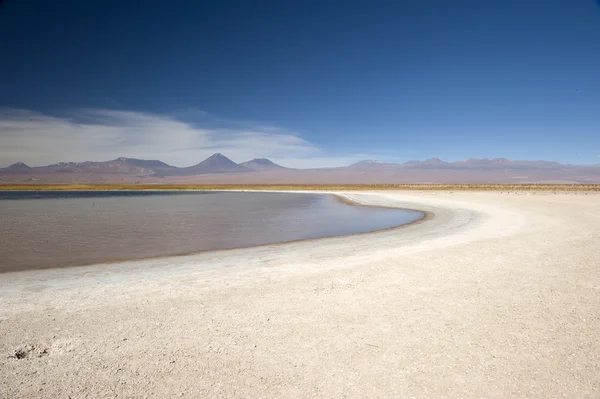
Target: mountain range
471,163
218,168
216,163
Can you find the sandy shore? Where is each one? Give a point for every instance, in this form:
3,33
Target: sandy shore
496,296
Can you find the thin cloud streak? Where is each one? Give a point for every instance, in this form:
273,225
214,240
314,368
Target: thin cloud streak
101,134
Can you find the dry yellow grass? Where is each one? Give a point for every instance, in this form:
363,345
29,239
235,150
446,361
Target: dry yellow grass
306,187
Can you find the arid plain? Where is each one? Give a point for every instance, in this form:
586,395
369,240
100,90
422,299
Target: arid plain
496,295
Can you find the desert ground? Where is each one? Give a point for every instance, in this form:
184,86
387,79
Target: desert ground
497,295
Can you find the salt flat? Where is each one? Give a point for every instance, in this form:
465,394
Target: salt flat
498,295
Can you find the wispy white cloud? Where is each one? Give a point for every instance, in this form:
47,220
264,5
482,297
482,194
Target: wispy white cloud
101,134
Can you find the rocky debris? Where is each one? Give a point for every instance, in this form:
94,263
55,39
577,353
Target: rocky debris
28,351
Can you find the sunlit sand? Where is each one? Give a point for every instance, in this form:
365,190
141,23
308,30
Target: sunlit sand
496,295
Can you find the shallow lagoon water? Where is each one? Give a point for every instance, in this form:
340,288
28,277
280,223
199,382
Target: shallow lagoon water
56,229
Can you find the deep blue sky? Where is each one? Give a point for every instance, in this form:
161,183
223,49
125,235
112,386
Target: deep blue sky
396,79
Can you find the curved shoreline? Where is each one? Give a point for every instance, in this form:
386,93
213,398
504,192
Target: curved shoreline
445,221
427,215
496,296
338,196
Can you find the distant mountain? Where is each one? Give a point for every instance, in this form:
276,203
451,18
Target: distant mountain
115,166
144,163
216,163
373,165
131,165
370,165
18,167
433,163
261,164
471,163
220,169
